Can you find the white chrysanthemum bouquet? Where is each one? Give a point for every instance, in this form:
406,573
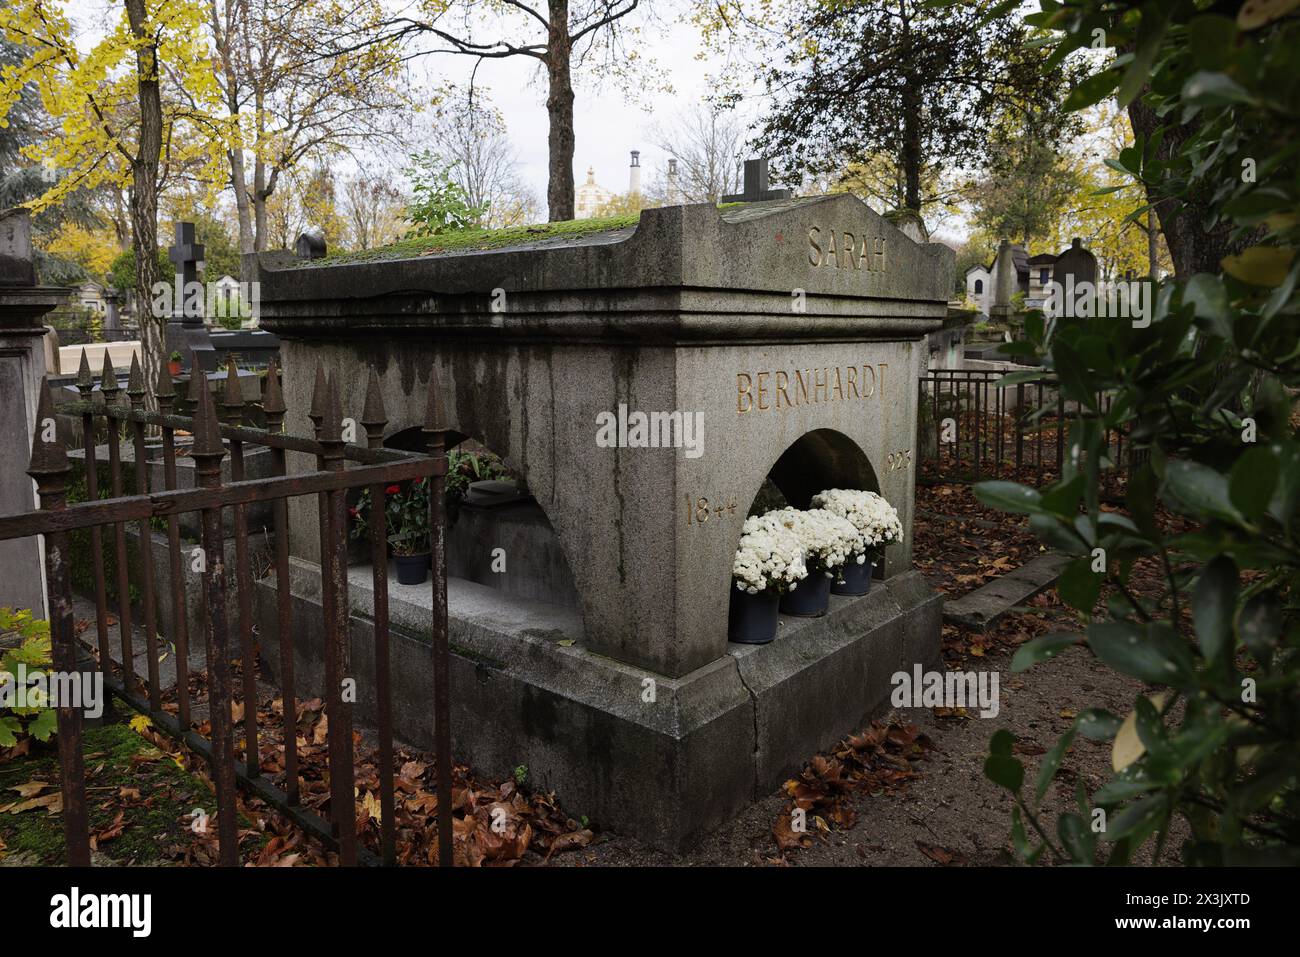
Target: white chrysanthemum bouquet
874,518
828,540
770,557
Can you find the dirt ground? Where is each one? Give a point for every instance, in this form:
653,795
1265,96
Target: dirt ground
949,814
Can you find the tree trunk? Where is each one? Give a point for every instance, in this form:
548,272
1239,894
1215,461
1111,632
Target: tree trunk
1192,248
260,194
144,202
559,108
222,33
912,148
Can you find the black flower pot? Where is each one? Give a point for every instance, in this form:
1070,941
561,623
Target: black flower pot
752,619
810,599
412,569
857,579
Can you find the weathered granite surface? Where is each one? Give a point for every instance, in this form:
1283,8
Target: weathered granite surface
696,311
794,330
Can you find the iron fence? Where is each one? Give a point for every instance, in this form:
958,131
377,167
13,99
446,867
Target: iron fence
339,466
971,428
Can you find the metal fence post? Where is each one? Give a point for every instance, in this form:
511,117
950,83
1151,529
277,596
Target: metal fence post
165,393
49,468
374,418
208,453
135,391
86,386
274,408
109,387
435,435
337,633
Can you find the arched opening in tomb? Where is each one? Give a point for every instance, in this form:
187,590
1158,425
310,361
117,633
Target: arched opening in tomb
818,460
500,542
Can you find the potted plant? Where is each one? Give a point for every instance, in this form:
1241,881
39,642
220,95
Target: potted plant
406,514
174,364
828,542
875,519
769,563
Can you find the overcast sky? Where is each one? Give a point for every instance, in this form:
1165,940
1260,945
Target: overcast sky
607,125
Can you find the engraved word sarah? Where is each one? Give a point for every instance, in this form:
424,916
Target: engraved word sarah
844,250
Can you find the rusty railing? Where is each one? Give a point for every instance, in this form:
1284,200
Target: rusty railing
340,466
971,429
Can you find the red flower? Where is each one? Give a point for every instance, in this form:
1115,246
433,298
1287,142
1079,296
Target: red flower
393,489
352,511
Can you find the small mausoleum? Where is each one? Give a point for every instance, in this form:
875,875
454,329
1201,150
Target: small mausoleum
643,380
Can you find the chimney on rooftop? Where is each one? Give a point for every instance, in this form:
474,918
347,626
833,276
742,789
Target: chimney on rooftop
634,174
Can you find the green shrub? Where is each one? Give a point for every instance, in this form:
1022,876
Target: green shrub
24,641
1206,390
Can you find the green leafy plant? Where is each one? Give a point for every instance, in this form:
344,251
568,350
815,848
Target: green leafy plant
406,517
25,642
1204,396
440,204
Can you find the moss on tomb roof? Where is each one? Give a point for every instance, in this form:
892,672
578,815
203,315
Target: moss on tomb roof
473,240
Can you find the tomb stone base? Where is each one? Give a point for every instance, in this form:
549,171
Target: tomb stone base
665,767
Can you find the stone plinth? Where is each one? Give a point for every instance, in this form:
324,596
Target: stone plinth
790,331
23,304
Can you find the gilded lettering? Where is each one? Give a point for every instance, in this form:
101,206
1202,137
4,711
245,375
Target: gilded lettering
820,383
814,250
838,391
762,392
868,392
802,383
853,381
744,401
782,380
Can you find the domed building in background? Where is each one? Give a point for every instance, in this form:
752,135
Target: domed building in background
590,196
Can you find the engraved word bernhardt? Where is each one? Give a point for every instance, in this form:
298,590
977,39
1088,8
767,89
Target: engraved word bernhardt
779,389
843,250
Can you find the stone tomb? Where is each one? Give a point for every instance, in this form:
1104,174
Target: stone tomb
790,334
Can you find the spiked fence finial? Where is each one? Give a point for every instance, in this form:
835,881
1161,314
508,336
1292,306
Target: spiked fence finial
232,396
164,390
331,426
317,411
207,431
272,394
49,457
198,380
85,378
135,381
108,377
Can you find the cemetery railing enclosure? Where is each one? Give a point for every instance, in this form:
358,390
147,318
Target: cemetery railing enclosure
971,429
340,466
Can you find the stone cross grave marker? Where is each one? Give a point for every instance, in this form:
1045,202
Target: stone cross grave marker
756,189
186,331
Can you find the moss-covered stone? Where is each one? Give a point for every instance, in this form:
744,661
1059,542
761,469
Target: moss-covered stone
116,758
470,240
